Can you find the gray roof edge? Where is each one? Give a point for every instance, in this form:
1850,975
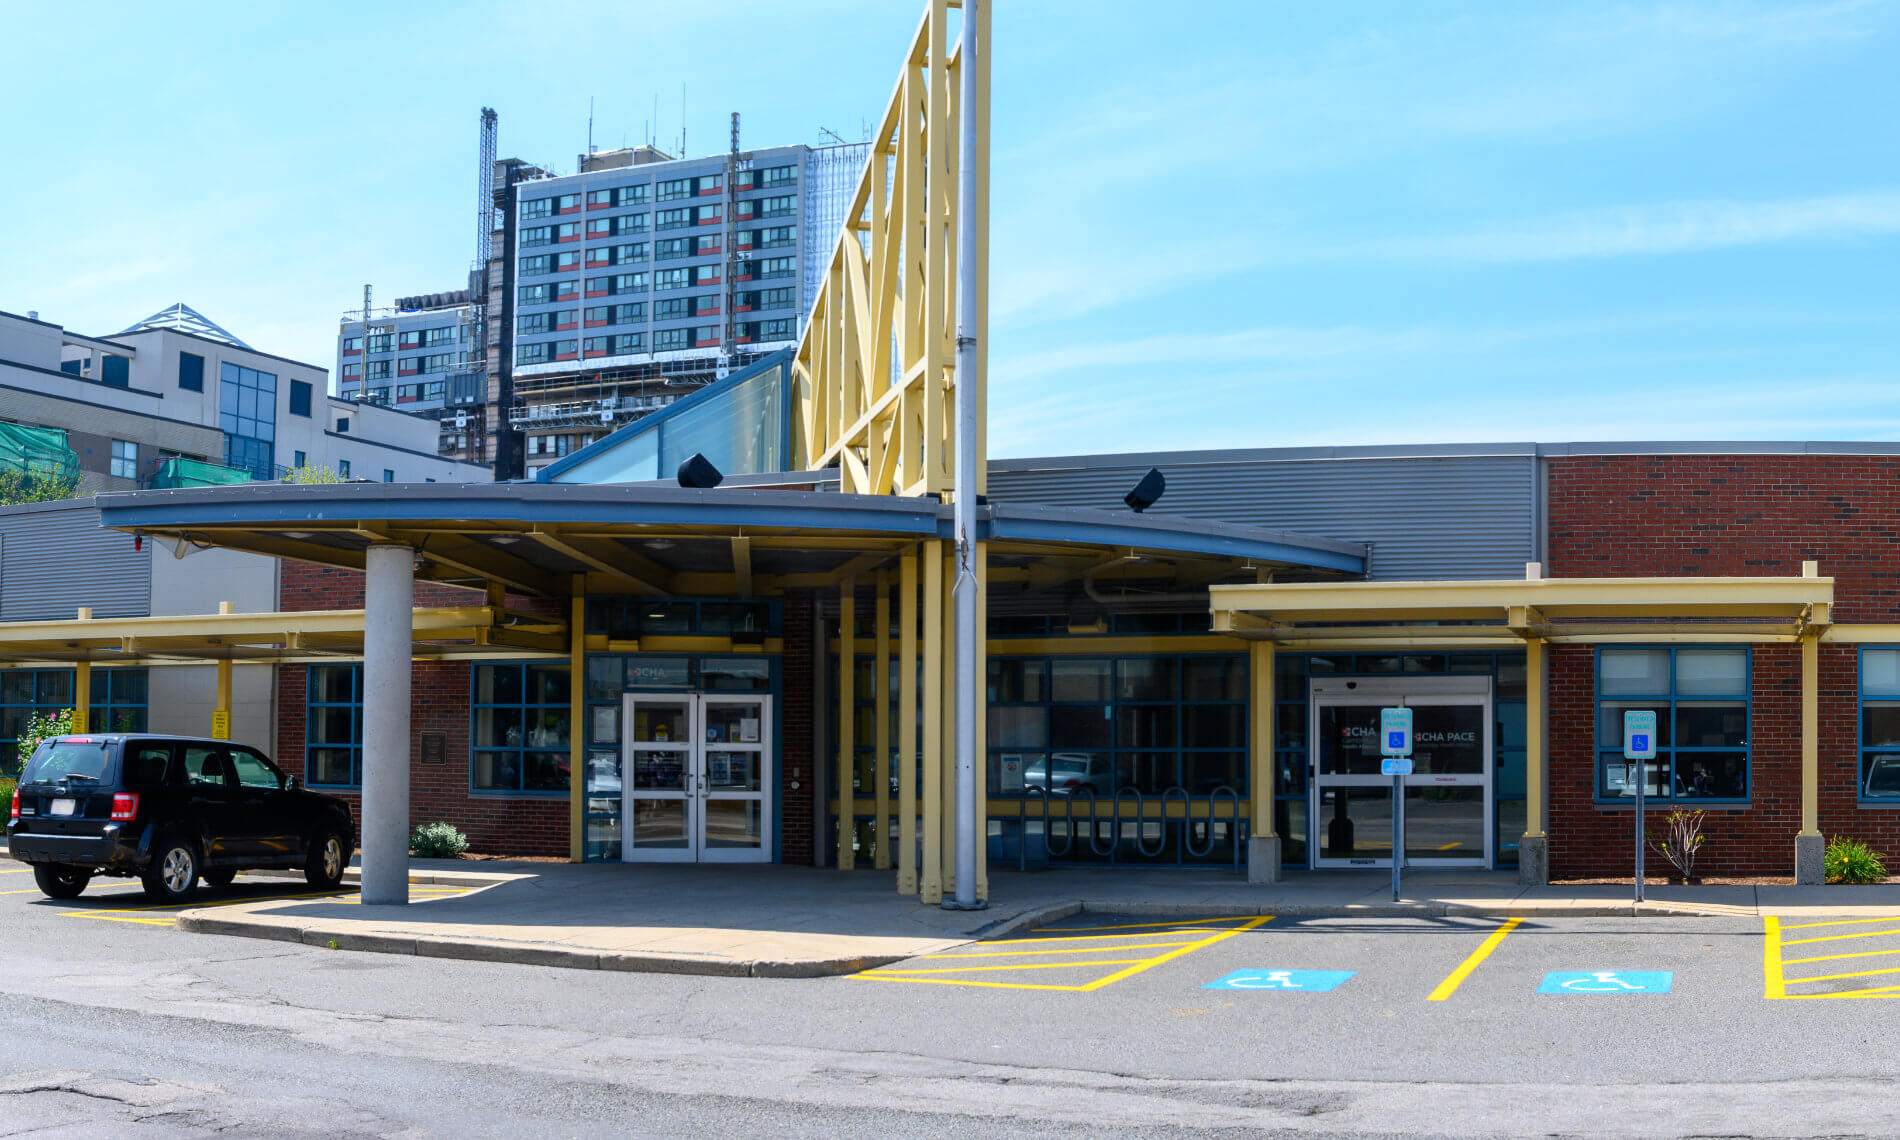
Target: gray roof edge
1175,524
1267,455
79,503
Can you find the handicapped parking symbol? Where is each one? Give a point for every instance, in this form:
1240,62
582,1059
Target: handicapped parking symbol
1607,982
1303,981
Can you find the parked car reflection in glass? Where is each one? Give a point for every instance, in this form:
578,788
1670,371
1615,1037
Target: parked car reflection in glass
1067,773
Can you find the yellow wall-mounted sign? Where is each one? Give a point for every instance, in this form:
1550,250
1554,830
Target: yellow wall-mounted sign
221,724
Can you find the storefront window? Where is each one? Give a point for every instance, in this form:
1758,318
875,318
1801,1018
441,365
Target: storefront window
1880,724
520,732
1700,698
118,703
333,726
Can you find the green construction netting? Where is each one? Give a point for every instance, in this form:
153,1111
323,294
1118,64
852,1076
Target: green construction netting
196,473
39,452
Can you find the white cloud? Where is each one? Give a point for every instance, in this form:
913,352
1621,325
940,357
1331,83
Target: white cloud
1676,227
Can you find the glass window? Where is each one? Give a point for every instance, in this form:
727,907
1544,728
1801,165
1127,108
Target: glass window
333,726
1700,697
125,459
1880,723
191,372
253,771
117,705
520,733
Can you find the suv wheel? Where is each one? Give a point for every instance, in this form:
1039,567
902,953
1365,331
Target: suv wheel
173,875
58,881
323,866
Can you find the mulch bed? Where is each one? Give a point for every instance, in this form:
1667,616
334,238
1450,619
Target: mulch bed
470,856
1706,881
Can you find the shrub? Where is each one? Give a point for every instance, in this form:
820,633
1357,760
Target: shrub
38,728
1851,861
309,473
437,841
1683,838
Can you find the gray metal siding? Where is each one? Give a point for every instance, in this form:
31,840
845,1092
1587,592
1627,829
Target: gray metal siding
1434,516
54,560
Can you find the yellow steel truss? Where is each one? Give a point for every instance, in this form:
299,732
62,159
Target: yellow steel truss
874,382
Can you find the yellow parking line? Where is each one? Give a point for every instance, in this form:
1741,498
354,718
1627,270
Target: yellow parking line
1838,977
1838,922
1457,977
1774,979
1134,967
1027,966
1842,937
1100,937
1883,991
1070,950
1144,925
1839,957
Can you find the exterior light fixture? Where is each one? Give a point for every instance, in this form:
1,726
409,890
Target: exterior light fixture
698,473
1151,488
298,535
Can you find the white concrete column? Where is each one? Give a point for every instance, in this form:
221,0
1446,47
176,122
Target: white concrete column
388,630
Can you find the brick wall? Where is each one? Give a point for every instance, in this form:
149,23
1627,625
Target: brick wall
1637,516
438,702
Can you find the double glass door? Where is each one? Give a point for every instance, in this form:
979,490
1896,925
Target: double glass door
1447,799
698,772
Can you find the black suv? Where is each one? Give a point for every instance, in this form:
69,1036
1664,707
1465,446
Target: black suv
168,809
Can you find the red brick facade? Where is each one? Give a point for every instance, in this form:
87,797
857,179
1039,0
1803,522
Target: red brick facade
1713,515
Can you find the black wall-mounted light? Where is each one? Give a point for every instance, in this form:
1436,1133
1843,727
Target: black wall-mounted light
697,472
1150,488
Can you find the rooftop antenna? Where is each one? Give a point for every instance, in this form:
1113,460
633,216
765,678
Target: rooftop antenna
682,120
590,124
828,131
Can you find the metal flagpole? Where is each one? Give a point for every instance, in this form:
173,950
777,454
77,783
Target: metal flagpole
964,507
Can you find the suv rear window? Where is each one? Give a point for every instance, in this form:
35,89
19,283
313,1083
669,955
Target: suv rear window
62,759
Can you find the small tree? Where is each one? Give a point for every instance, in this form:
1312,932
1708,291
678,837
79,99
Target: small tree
1681,840
18,488
309,473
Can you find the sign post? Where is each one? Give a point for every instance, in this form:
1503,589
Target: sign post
1639,748
1395,750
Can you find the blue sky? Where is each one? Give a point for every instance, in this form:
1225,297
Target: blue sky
1240,224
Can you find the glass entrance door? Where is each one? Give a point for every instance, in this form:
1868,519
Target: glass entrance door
698,768
1447,804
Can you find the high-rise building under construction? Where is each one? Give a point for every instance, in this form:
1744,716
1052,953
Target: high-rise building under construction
611,292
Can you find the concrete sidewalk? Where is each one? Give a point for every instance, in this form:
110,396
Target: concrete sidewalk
778,921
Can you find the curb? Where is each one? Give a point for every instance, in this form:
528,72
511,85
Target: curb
474,950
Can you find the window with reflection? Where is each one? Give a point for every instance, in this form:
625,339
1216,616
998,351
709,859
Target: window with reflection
1700,697
520,732
1880,724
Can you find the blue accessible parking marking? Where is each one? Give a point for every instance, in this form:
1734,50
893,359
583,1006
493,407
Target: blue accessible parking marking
1607,982
1305,981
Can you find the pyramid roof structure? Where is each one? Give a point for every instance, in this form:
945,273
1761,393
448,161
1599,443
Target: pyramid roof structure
183,318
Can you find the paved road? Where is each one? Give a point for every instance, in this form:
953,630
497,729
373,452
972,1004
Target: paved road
112,1018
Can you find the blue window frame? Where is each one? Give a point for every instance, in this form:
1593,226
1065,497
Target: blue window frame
1700,695
520,729
1878,781
333,727
118,703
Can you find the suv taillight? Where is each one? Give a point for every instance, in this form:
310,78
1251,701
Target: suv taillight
15,812
125,805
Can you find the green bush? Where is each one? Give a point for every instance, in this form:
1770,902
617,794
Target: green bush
1851,861
38,728
437,841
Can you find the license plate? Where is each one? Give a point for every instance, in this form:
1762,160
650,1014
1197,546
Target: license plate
61,807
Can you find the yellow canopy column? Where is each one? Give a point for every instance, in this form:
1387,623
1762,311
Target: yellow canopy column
881,721
931,890
1263,845
907,724
847,721
1533,848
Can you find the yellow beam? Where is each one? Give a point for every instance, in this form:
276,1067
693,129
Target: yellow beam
617,571
1810,736
1493,599
847,719
1264,766
881,721
907,724
930,890
576,725
742,564
1534,736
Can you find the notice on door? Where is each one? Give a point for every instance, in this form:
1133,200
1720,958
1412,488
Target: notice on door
748,730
